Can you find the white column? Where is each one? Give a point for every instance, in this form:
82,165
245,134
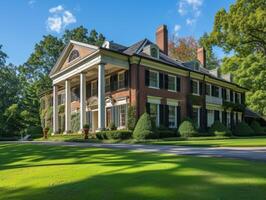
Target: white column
82,100
67,106
101,97
55,109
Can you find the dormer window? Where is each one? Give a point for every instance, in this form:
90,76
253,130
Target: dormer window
73,55
152,50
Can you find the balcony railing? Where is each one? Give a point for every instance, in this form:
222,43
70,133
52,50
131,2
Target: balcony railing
214,100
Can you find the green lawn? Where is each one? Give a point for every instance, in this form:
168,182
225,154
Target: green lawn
195,141
29,172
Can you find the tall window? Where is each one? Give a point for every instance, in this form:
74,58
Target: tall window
172,117
195,87
154,113
227,94
154,52
171,83
122,115
215,91
239,97
107,84
94,88
208,89
196,116
210,117
121,80
228,119
154,79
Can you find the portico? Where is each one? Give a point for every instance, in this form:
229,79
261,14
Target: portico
80,70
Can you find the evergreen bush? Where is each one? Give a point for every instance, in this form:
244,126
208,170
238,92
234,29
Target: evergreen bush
187,128
243,129
219,129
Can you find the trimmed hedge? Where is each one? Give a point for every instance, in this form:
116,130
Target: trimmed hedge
167,132
243,129
219,129
143,129
257,128
187,128
115,135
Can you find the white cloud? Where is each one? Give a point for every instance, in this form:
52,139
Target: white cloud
56,9
177,29
191,8
59,19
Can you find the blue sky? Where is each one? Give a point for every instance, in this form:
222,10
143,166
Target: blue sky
23,23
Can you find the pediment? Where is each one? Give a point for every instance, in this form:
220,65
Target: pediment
73,53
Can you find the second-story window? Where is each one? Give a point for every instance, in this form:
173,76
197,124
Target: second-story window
239,98
171,83
94,88
195,87
227,95
107,84
208,89
215,91
154,79
121,80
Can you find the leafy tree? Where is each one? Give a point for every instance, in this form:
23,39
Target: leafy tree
212,61
184,49
242,30
3,57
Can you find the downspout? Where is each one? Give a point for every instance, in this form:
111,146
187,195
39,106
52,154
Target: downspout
129,79
138,84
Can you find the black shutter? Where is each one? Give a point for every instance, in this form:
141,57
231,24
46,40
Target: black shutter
88,90
243,98
112,83
231,95
147,77
224,117
178,83
161,80
201,88
236,97
126,78
203,118
166,116
161,114
178,116
148,108
166,81
213,91
216,115
191,86
223,93
232,120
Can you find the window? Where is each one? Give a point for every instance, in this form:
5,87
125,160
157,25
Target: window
107,84
154,113
215,91
122,115
210,117
227,95
228,119
94,88
119,114
154,52
108,116
121,80
73,55
239,117
171,83
208,89
239,97
195,87
196,116
154,79
234,97
172,116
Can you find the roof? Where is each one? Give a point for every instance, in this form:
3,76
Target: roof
252,114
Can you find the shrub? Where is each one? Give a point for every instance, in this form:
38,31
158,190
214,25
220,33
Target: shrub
86,126
258,130
131,120
187,128
115,135
143,129
164,132
219,129
243,129
112,126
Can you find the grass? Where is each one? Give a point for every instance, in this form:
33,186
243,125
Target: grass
54,172
194,141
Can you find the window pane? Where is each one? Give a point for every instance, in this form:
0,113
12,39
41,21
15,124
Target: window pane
153,79
208,89
107,84
154,112
121,80
172,117
195,116
171,83
194,87
122,115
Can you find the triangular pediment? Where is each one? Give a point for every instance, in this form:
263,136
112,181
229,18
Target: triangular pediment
73,53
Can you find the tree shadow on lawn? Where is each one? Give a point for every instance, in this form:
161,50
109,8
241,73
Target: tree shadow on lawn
134,175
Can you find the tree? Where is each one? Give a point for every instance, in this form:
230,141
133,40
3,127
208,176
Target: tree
212,61
242,30
184,49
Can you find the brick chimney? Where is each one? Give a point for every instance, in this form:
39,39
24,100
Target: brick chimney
201,56
162,38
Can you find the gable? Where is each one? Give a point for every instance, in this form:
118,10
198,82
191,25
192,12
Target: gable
73,53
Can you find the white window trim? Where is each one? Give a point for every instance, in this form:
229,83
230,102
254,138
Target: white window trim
154,100
157,73
208,84
174,83
122,72
197,81
175,125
